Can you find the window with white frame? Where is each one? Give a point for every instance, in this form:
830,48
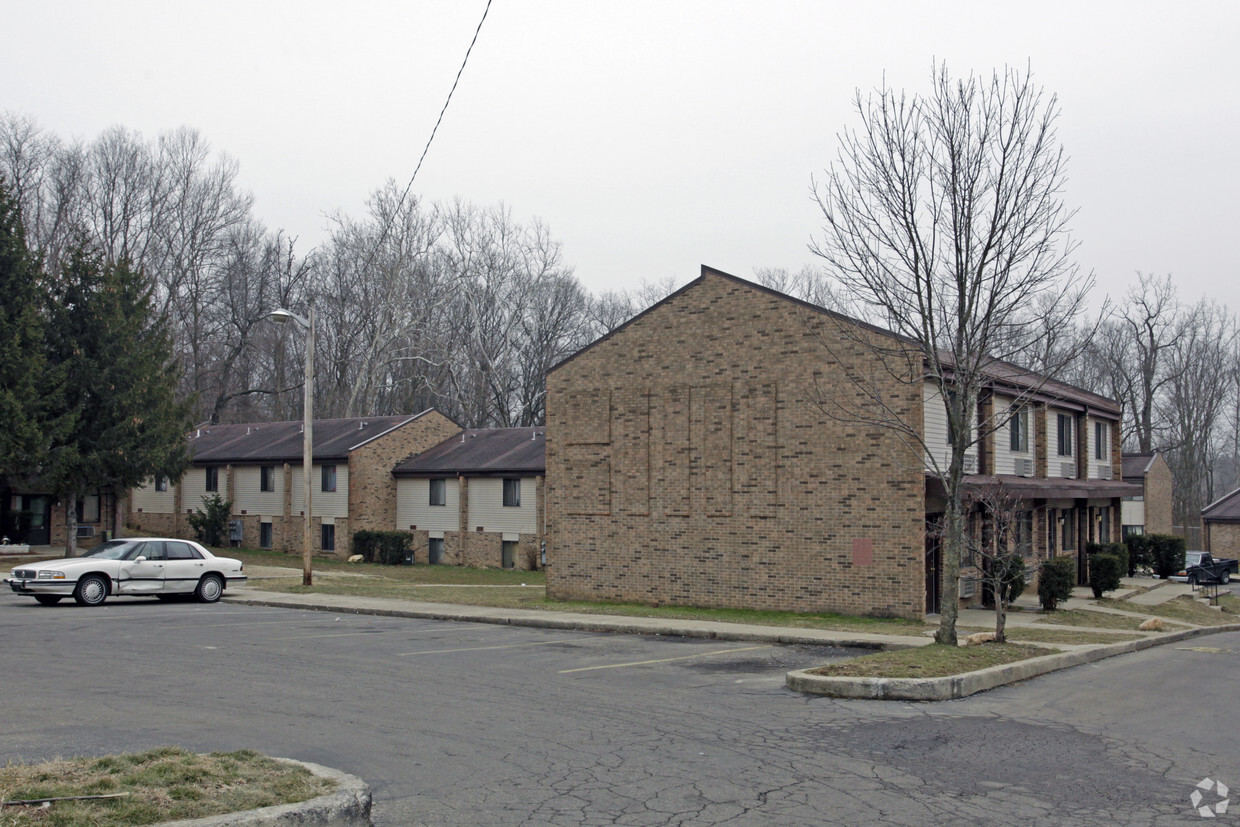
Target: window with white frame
213,479
1102,441
328,481
512,492
438,492
267,478
1064,436
1019,430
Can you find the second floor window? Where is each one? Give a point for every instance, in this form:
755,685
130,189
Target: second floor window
512,492
1019,425
1065,435
439,492
267,478
161,483
329,478
1102,441
213,479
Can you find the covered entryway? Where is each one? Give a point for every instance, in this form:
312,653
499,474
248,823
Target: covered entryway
934,564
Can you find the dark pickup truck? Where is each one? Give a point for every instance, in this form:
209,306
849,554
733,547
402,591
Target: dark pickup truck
1202,567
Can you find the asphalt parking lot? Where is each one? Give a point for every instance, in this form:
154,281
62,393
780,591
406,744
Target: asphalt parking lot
463,723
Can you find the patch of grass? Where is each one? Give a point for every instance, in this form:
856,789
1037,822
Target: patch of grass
1183,608
420,573
1034,634
1229,603
1100,620
933,661
162,784
534,597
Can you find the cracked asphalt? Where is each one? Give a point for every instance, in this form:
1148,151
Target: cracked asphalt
462,723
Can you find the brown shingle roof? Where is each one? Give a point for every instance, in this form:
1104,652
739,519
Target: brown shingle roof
1223,510
483,451
1041,487
1135,465
282,441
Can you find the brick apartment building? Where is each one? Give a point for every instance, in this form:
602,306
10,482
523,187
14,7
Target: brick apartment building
1148,511
476,499
1221,520
259,467
689,461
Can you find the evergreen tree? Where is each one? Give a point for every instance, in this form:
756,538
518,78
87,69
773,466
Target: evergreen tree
29,388
121,383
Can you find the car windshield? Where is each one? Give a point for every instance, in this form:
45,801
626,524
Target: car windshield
113,550
1192,558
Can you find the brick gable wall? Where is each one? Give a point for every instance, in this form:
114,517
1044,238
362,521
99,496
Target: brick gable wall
687,463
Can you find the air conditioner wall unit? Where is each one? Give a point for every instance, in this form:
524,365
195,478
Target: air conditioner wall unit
1024,467
970,464
85,532
968,587
1104,472
1067,469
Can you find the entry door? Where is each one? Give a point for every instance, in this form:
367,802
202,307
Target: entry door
145,577
934,565
36,520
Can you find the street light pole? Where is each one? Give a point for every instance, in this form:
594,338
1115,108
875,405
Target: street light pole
307,459
307,443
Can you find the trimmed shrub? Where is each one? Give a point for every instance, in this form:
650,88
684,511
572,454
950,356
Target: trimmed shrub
1118,550
210,523
1139,554
1056,577
1166,553
1105,571
391,548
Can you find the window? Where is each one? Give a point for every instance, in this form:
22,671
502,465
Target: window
329,537
1104,525
512,492
1024,534
1069,529
1019,425
267,478
264,535
213,479
88,509
329,478
1133,531
180,551
508,554
1065,435
435,551
161,483
1102,441
439,492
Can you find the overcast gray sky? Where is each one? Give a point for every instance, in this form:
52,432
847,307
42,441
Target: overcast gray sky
651,137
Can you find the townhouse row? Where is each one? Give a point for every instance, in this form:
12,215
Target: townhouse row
464,503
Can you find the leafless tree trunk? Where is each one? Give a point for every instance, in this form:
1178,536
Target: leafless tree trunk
944,224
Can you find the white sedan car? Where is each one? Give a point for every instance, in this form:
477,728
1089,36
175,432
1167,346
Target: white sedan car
154,566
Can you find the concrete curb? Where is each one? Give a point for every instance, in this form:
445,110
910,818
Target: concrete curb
347,806
605,623
970,683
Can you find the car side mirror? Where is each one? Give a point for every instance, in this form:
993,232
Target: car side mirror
139,559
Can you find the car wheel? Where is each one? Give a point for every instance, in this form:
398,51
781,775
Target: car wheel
209,588
1225,577
91,590
47,599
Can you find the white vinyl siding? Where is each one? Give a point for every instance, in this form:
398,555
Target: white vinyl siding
151,501
412,508
248,496
1007,461
1132,512
936,431
487,509
334,504
194,487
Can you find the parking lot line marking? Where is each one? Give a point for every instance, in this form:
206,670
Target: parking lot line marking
489,648
346,634
664,660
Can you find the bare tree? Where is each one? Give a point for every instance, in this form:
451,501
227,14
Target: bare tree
944,224
999,544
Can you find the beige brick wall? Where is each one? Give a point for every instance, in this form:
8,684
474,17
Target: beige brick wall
688,464
372,488
1223,539
1158,499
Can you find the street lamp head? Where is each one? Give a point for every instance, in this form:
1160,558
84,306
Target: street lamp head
281,315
